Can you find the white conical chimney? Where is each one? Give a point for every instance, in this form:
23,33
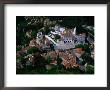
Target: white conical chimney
74,32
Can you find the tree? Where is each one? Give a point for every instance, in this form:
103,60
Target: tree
59,60
19,19
89,69
46,30
32,50
57,36
39,64
73,21
52,47
79,46
18,48
87,58
86,48
33,34
48,59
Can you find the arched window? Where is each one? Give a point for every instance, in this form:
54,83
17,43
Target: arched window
64,41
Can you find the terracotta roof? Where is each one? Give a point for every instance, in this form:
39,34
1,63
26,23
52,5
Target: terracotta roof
69,61
53,54
79,50
54,62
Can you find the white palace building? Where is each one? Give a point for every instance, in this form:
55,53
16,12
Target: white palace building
68,38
